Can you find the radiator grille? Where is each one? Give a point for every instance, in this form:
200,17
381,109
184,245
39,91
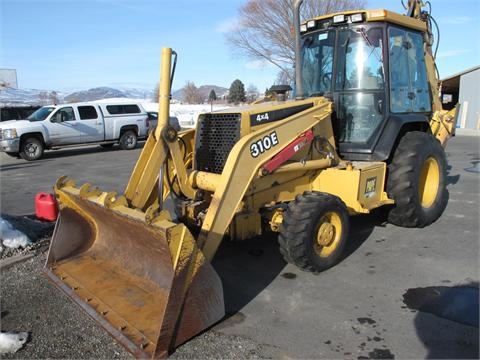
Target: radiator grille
217,134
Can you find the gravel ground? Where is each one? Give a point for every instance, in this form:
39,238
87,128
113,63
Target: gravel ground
59,329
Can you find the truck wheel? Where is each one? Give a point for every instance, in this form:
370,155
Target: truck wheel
417,181
128,140
31,149
314,231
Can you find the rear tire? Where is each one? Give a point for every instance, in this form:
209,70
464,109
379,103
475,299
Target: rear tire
417,181
31,149
128,140
314,231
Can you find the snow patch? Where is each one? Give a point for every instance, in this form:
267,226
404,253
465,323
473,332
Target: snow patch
11,237
12,342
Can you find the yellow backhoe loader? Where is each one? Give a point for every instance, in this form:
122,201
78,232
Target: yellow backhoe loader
366,129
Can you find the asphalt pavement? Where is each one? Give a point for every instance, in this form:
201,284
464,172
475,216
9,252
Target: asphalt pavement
397,293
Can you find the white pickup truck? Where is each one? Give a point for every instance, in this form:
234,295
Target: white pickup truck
74,124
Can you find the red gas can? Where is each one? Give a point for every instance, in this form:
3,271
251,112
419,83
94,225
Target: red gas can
46,207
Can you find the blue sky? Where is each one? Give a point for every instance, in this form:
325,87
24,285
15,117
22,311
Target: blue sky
80,44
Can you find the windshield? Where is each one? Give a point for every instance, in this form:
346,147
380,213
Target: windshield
359,60
347,63
317,63
360,63
41,114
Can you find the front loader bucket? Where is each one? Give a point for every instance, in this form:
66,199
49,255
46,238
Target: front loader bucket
144,280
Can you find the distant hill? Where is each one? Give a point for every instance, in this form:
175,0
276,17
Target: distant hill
204,92
37,97
94,94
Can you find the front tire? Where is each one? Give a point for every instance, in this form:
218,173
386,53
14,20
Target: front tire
31,149
128,140
314,231
417,181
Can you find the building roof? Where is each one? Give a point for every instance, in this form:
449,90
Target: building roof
453,82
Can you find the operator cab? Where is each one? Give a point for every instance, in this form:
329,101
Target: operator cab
374,71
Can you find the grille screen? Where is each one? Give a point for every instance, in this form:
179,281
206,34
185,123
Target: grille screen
217,134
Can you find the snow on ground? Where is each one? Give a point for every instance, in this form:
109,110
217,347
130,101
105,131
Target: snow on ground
187,114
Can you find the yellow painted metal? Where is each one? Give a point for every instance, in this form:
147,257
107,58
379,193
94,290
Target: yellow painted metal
142,277
245,226
305,166
360,185
429,181
276,220
124,261
443,124
382,15
180,169
329,233
241,168
204,180
144,179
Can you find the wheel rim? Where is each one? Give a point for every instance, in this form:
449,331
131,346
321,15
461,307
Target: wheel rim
429,182
32,150
130,141
329,234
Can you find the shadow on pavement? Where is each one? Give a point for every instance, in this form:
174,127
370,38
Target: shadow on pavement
452,339
247,268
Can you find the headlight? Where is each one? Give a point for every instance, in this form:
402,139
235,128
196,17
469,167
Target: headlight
8,134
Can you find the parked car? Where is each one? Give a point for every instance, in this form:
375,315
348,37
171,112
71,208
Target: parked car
74,124
153,118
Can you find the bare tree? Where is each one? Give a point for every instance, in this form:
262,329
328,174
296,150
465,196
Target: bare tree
53,97
43,97
191,94
265,31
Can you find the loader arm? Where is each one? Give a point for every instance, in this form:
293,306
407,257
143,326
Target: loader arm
243,164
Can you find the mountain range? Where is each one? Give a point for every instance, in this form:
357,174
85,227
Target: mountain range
36,97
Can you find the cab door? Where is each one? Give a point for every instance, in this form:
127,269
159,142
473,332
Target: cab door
63,127
91,123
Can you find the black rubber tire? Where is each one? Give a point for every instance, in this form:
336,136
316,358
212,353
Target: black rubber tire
417,181
128,140
299,232
31,149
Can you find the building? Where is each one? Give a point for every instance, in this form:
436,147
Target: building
464,88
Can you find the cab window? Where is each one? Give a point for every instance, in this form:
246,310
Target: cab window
409,90
64,114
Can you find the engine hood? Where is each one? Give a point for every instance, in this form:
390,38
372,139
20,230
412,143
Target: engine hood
271,111
14,124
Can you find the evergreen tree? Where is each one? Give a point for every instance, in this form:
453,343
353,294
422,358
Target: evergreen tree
212,96
237,92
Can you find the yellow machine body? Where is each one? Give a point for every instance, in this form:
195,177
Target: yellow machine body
137,269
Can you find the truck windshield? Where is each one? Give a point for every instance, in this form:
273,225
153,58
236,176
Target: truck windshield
41,114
